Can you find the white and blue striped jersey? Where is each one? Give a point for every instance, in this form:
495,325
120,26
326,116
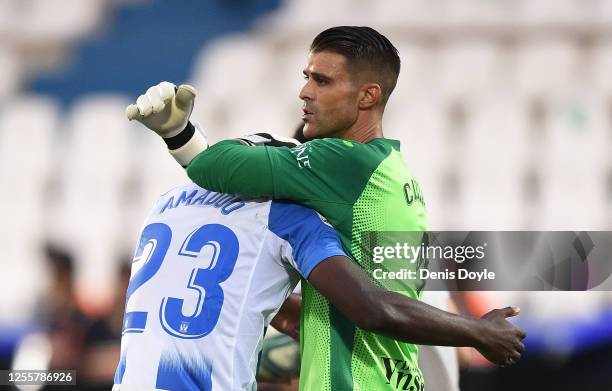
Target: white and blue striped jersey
209,274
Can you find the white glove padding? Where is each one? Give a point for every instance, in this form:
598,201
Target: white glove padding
269,139
164,108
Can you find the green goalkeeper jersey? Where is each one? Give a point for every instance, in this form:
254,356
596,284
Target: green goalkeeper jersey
359,188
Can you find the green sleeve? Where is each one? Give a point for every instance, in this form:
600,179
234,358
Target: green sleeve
231,167
322,174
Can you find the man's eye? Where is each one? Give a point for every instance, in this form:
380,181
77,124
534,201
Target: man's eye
305,77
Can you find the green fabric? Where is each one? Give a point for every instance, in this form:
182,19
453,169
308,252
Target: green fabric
342,336
383,207
360,188
315,341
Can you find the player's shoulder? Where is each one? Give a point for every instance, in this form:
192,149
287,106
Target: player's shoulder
386,144
373,148
333,145
347,154
332,142
287,216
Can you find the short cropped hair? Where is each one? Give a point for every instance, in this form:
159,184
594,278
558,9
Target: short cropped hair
363,48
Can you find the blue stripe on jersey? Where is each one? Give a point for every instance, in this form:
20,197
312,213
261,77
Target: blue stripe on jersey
180,374
311,239
120,370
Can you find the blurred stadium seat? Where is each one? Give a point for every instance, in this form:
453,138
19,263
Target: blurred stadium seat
24,173
59,21
11,70
559,12
601,70
545,68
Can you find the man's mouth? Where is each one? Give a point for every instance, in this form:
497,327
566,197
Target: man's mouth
306,115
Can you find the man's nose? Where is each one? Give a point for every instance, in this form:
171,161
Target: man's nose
306,92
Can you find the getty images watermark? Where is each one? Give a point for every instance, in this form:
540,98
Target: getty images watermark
489,261
416,254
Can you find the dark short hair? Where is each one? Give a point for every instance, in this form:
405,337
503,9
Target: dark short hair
59,258
363,48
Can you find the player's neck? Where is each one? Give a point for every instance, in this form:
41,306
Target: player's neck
365,129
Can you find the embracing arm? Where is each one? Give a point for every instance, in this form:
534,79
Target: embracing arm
396,316
228,166
232,167
311,172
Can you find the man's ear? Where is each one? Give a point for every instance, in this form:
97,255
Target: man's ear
370,96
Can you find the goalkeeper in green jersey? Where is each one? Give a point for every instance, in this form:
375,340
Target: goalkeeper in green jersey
358,180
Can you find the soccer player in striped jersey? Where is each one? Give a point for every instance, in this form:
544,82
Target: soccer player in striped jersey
209,273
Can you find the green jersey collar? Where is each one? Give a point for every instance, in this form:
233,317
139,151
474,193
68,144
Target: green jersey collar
394,143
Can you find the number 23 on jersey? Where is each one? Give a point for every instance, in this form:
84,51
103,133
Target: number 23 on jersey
204,282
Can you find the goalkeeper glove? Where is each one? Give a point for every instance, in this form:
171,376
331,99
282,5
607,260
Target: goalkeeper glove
165,109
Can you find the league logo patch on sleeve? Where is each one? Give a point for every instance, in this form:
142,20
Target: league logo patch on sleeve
323,219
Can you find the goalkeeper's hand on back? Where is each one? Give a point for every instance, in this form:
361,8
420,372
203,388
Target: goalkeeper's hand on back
165,109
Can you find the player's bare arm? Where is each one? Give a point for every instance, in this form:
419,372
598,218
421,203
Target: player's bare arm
287,320
399,317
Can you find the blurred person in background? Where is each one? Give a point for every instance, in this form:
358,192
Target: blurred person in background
102,344
58,312
56,340
569,346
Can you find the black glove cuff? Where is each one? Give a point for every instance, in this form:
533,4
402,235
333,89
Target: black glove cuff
175,142
274,142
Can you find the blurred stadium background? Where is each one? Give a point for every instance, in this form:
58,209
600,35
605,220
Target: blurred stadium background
503,107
